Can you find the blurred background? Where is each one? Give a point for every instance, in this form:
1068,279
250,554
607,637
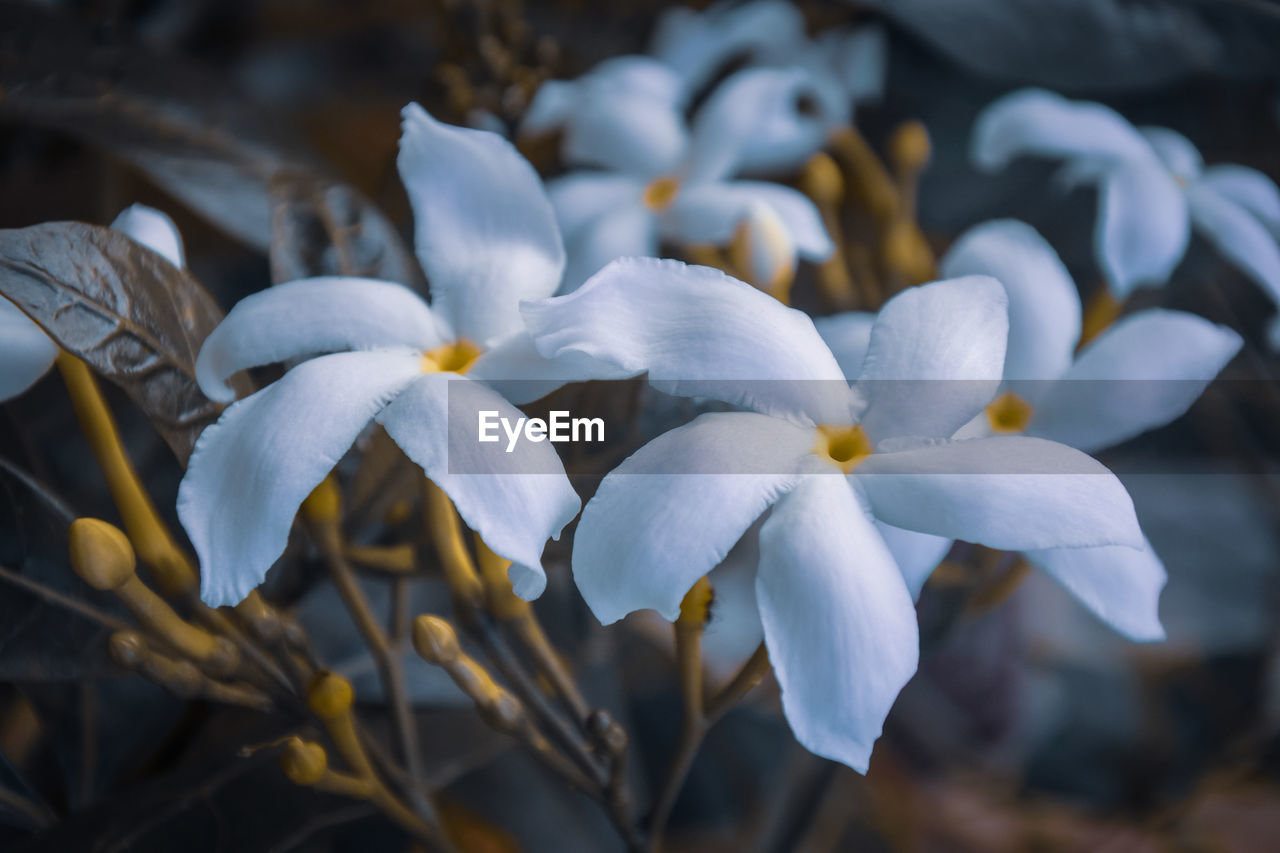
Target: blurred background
1029,726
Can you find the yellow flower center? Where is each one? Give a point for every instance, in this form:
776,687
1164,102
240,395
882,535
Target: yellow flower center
661,192
843,446
1009,413
456,357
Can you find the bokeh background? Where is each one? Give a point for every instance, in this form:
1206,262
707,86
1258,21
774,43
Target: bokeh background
1029,726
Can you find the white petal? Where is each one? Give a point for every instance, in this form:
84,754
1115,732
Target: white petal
671,512
630,231
758,111
516,370
1044,305
1250,189
1141,373
860,59
1120,585
1142,227
252,469
581,198
153,229
551,107
484,231
1043,124
709,213
26,352
629,133
1007,492
697,45
848,335
515,500
838,620
1177,152
697,332
1238,236
917,554
311,316
935,358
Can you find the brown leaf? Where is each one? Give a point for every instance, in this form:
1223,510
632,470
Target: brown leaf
133,316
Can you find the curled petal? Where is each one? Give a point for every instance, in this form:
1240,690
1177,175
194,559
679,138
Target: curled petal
515,500
1143,228
1008,492
1044,306
1121,586
1238,236
859,59
153,229
671,512
697,332
252,469
838,620
311,316
26,352
1141,373
1040,123
935,358
484,231
709,213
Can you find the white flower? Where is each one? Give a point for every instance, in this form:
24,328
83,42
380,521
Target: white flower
844,67
1143,372
1153,187
26,352
486,237
833,464
680,192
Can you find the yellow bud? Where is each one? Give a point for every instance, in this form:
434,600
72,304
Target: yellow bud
435,640
909,146
329,695
695,608
822,181
502,711
324,504
304,762
905,251
101,554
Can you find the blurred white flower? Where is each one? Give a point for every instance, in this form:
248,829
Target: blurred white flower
677,188
486,237
1153,188
834,464
26,352
1143,372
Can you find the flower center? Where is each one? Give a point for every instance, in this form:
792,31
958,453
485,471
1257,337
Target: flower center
843,446
456,357
1009,413
661,192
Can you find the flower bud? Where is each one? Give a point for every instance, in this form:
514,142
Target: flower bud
101,554
822,181
329,695
304,762
909,146
435,640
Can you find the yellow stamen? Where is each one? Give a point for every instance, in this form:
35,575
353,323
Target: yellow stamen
456,357
1009,413
845,447
661,192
